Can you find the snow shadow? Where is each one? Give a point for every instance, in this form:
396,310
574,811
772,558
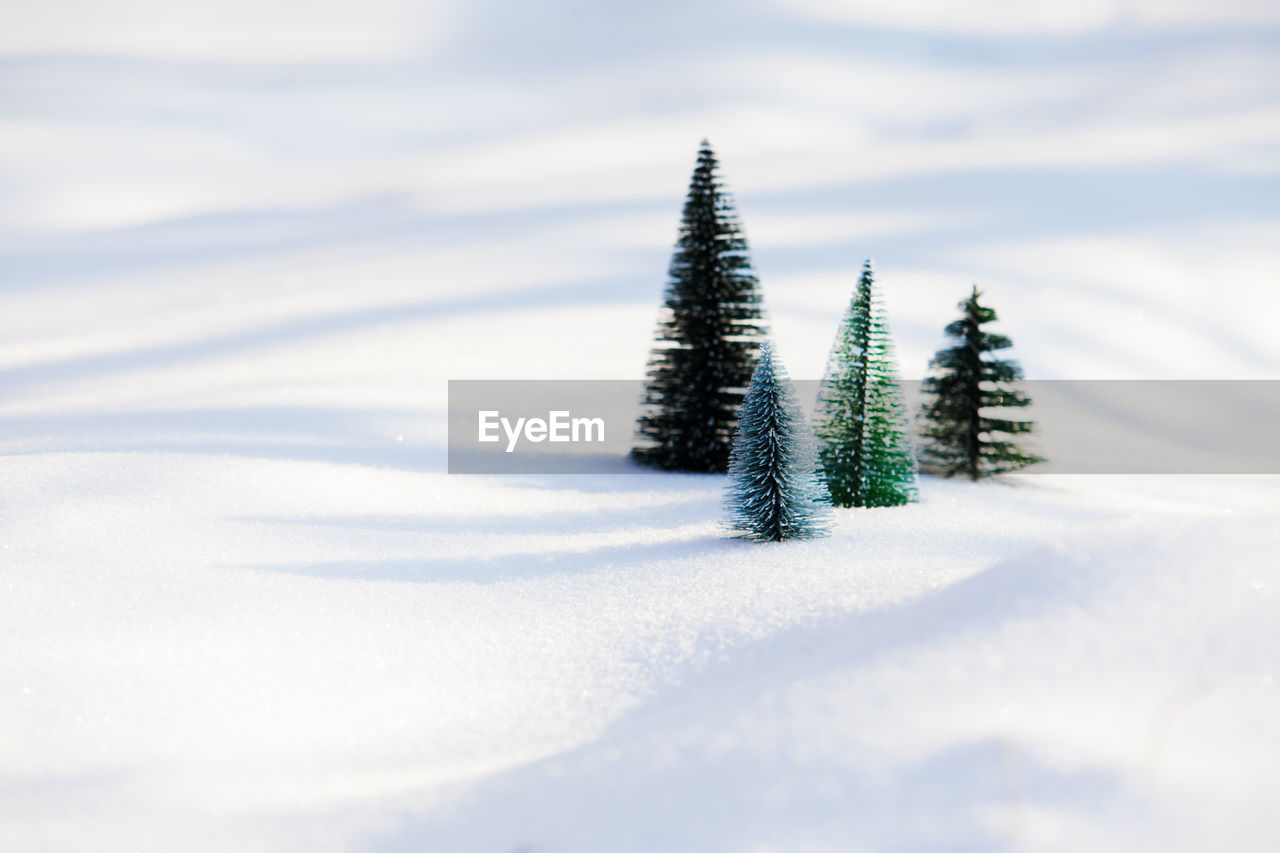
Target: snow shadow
973,206
38,376
958,209
687,509
1025,587
382,224
293,433
636,479
496,568
969,795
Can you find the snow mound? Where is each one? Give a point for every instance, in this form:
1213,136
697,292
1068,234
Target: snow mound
1118,694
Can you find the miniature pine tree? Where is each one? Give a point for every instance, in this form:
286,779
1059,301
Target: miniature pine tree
776,489
708,336
961,439
862,419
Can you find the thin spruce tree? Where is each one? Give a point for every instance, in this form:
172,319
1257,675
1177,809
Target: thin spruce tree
776,490
863,429
965,384
708,335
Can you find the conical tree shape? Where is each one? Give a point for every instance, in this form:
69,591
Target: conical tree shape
865,439
961,439
708,336
776,489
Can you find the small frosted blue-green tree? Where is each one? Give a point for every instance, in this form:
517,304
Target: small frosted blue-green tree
776,490
862,425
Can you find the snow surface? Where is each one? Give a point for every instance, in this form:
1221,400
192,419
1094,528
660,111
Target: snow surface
244,608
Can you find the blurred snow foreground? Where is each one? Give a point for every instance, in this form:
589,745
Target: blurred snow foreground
209,652
242,247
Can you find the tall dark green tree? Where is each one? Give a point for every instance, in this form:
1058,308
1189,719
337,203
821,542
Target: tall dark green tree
708,336
963,436
776,490
865,438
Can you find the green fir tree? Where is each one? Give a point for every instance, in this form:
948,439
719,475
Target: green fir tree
862,418
708,336
776,490
965,383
